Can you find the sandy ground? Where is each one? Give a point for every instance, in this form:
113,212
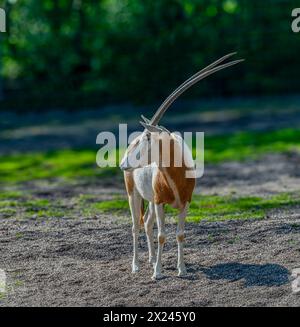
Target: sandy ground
78,261
87,263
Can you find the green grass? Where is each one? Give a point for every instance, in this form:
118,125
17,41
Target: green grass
66,164
81,164
250,145
27,206
203,207
8,195
7,203
111,205
215,208
7,212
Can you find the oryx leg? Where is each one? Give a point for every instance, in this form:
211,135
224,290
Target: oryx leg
180,240
135,202
160,219
149,222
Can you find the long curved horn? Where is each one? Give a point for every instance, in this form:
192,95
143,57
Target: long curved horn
200,72
210,69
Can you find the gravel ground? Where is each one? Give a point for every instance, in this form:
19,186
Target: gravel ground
87,263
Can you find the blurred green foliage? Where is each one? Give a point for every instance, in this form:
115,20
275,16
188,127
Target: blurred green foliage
76,53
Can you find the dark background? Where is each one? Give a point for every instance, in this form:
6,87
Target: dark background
74,53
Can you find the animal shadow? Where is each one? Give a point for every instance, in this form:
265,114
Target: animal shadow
252,274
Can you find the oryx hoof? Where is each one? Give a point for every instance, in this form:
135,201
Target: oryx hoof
182,272
157,276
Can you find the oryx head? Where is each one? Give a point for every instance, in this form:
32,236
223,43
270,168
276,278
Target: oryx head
138,152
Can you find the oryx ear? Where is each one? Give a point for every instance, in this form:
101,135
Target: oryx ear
151,128
146,120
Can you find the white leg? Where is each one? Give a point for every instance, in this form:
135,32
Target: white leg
135,202
180,239
149,221
160,219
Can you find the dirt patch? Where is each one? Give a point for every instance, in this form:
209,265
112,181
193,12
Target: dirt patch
76,262
271,174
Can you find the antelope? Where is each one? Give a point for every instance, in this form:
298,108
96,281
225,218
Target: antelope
150,174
